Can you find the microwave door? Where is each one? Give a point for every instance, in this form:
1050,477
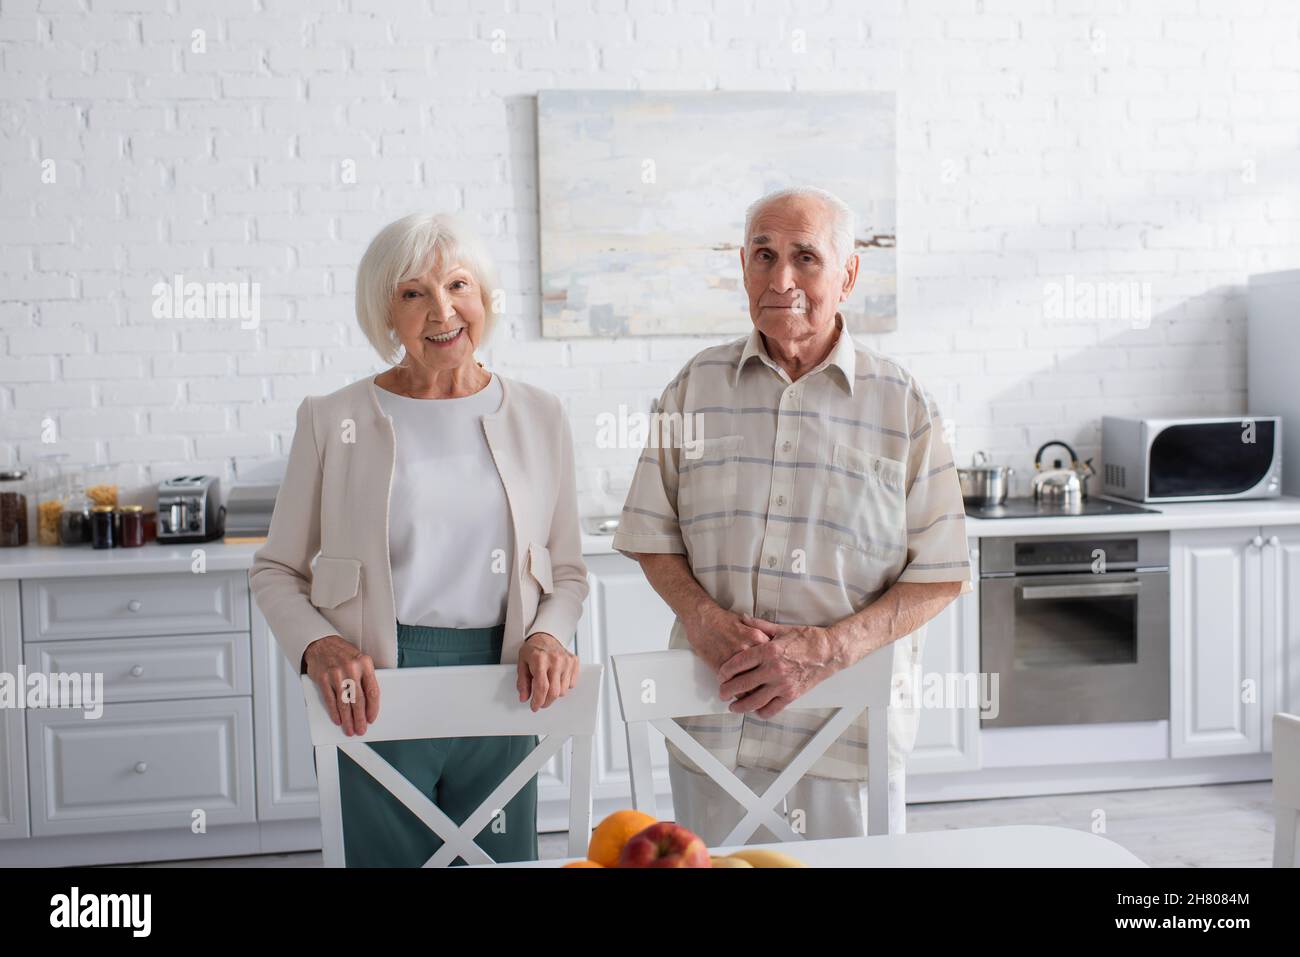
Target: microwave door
1210,459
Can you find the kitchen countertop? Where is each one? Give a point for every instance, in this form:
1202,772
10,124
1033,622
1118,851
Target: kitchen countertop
52,561
55,561
1167,517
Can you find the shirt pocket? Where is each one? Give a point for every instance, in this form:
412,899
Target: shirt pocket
706,495
866,502
336,593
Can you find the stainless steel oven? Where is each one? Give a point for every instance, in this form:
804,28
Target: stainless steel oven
1076,627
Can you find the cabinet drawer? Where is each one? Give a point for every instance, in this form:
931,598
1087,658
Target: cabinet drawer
153,669
128,606
141,766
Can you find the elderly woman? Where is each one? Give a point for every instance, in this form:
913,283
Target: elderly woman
441,500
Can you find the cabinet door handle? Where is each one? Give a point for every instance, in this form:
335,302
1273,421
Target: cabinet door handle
133,605
141,767
1274,540
1258,541
137,671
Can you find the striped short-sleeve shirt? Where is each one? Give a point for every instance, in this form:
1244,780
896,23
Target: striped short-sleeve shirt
801,503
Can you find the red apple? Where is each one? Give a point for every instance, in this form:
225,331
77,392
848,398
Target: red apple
664,844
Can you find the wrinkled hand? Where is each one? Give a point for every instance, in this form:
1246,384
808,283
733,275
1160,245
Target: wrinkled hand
718,634
766,678
547,670
347,682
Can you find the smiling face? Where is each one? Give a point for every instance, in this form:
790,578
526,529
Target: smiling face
793,277
439,317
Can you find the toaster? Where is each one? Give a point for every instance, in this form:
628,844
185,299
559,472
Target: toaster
190,509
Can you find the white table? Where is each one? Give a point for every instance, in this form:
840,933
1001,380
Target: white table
1021,845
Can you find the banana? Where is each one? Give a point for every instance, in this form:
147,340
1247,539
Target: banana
728,862
763,857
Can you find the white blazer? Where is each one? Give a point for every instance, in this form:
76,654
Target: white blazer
333,506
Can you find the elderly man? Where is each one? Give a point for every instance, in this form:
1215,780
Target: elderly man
818,520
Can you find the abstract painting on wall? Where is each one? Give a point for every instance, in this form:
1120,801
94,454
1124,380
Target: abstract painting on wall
642,200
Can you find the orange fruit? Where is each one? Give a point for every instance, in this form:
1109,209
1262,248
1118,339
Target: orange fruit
583,864
611,834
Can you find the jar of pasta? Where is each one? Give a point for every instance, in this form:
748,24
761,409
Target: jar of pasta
101,484
50,488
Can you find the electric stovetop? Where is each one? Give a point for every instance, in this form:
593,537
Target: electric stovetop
1028,508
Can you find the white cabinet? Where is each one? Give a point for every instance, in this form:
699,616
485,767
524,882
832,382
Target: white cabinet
624,615
1280,625
174,740
153,668
1234,637
13,745
947,737
127,606
286,771
141,766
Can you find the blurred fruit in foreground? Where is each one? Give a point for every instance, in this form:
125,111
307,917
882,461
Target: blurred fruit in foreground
583,864
728,862
664,845
762,857
611,834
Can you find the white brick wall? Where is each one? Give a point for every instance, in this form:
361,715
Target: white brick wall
1108,141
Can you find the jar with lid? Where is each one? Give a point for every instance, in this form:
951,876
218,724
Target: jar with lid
74,520
49,486
102,488
13,507
102,532
132,526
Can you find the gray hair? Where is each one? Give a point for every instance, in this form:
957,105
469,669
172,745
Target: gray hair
406,249
842,224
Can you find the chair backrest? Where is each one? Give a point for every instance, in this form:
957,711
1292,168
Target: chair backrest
455,702
1286,789
655,687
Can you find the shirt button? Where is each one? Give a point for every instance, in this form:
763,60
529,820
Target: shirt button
771,561
780,500
786,446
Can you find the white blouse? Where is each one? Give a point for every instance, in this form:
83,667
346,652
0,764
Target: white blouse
450,541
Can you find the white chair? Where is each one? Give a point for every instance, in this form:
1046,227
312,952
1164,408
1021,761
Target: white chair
655,687
453,702
1286,789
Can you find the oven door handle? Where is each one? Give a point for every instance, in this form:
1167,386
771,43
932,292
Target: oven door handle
1092,590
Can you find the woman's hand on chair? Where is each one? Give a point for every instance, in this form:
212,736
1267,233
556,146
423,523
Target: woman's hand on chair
547,670
347,682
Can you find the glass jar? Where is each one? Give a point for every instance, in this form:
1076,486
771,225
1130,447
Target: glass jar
132,526
13,508
74,520
101,526
150,525
101,484
48,485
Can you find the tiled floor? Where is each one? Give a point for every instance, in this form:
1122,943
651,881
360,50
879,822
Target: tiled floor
1225,825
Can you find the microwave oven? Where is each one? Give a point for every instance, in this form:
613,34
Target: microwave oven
1191,459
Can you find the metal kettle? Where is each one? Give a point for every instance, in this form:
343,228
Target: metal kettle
1059,485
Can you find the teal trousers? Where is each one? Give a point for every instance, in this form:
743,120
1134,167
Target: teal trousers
457,774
